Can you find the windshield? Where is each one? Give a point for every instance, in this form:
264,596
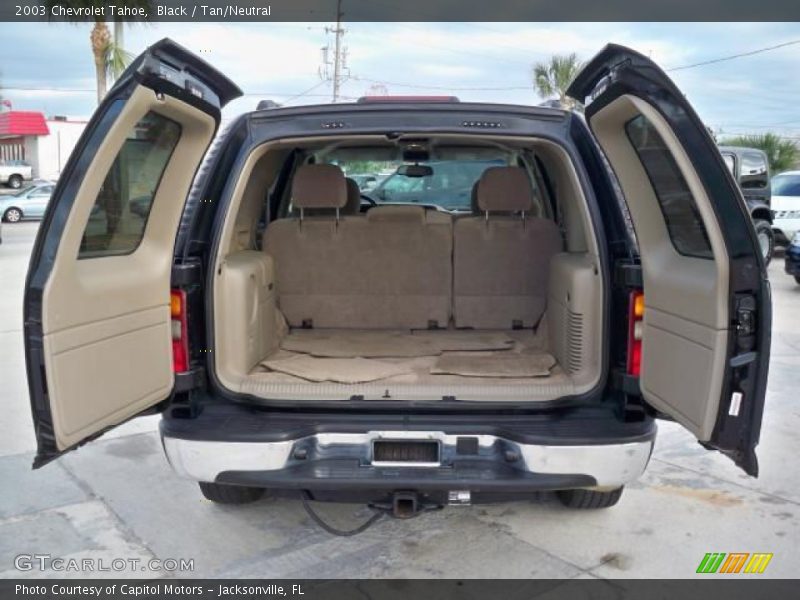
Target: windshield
786,185
446,184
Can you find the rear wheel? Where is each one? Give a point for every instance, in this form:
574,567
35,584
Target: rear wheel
230,494
766,239
12,215
589,498
797,279
15,182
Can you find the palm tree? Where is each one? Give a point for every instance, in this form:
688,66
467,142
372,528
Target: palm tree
552,78
117,58
109,57
782,154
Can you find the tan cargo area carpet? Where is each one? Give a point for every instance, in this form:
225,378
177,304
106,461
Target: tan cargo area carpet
340,370
495,365
344,343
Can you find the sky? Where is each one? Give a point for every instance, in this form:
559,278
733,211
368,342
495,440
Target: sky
48,67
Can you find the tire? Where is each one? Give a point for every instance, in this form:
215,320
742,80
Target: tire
797,279
15,182
230,494
589,499
766,238
12,215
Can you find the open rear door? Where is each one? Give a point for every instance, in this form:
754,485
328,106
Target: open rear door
97,324
707,317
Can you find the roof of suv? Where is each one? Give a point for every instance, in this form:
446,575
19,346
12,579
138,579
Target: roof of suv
416,105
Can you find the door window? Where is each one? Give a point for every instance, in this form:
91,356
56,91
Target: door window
43,192
119,215
683,220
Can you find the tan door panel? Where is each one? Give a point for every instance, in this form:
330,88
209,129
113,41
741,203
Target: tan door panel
685,331
105,319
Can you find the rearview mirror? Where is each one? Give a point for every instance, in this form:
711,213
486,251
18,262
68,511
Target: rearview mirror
415,170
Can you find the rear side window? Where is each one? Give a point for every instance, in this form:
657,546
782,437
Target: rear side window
683,220
119,215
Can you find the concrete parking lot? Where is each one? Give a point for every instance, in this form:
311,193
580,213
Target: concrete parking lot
118,498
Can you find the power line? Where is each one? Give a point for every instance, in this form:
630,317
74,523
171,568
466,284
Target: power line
734,56
307,92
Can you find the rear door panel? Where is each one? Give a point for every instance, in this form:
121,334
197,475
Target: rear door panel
708,312
97,305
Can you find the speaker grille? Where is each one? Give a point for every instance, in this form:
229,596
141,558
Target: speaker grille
574,341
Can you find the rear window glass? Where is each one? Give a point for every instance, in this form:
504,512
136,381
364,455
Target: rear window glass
683,220
754,170
119,215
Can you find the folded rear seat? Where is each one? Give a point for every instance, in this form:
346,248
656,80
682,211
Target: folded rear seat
502,256
389,269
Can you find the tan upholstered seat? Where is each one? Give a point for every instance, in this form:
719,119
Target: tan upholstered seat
351,207
502,257
388,269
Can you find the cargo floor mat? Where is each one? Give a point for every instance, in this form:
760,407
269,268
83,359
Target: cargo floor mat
339,370
495,365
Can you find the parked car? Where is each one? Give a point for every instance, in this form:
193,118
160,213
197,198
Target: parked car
750,168
13,173
786,205
792,265
29,203
334,356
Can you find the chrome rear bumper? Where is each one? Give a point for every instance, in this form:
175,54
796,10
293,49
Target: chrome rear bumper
336,460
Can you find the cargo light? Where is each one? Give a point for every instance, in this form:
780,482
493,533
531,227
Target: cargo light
180,341
635,326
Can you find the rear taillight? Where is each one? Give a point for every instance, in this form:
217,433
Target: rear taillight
180,342
635,325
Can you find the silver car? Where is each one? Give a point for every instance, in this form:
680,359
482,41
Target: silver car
29,203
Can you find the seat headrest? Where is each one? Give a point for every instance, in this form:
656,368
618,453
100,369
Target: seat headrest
353,206
319,186
473,198
504,189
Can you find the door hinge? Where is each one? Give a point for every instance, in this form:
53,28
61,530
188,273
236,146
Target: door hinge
186,274
628,275
188,380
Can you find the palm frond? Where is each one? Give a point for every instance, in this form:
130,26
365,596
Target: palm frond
116,59
553,77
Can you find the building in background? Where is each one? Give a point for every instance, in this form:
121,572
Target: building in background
45,143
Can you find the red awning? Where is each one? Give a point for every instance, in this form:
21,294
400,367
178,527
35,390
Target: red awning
22,122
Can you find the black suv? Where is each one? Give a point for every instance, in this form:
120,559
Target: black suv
750,168
295,335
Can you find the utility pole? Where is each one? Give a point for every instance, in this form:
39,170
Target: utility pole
339,55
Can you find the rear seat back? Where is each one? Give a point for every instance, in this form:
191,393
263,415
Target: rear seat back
502,257
390,269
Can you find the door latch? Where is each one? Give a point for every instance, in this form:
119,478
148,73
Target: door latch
745,323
